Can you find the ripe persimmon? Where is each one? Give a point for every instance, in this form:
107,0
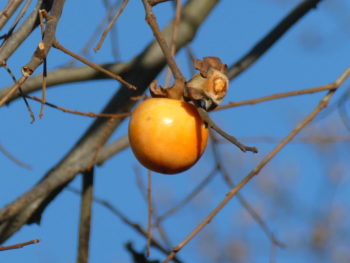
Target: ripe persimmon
167,135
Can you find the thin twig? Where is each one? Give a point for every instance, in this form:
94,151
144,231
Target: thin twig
277,96
43,49
246,205
13,89
39,54
104,34
43,94
152,21
137,227
141,186
67,75
304,139
85,216
20,245
190,57
85,50
275,34
16,39
253,173
205,117
87,114
344,116
321,105
174,37
150,213
13,158
29,109
94,66
189,197
43,90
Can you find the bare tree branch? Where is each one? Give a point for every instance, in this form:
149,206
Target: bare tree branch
8,11
28,207
68,75
177,91
271,38
245,204
41,51
135,226
17,38
321,105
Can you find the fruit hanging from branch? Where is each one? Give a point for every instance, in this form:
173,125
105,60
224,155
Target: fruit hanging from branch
168,133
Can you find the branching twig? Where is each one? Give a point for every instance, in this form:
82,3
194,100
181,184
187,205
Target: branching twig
29,207
104,34
241,198
275,34
189,197
13,89
26,28
322,104
85,50
42,49
29,109
68,75
127,221
141,186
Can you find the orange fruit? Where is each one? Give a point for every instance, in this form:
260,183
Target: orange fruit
166,135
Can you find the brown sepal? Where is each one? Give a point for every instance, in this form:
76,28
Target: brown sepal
157,91
206,63
173,92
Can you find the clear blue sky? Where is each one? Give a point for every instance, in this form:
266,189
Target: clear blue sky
313,53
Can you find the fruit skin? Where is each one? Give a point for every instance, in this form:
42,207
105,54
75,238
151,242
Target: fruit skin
166,135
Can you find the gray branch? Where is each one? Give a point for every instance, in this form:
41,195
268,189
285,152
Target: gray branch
143,69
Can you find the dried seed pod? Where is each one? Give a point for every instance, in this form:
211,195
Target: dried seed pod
208,92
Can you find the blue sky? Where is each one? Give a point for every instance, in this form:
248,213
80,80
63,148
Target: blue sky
313,53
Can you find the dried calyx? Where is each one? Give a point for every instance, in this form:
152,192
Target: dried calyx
205,89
